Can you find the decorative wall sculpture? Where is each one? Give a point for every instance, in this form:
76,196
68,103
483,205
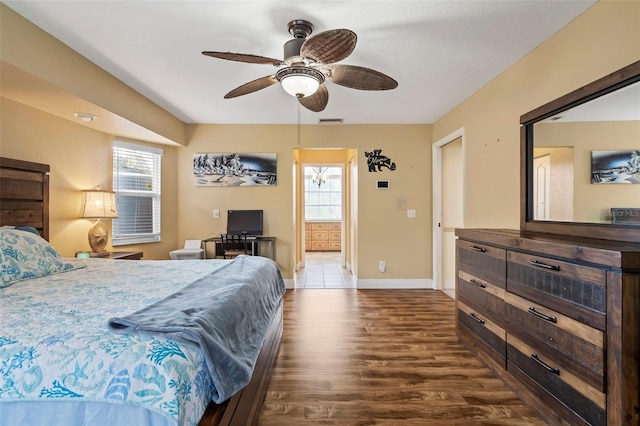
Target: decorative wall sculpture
376,161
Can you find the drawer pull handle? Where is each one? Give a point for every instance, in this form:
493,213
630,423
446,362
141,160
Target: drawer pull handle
553,370
480,249
477,283
478,320
533,311
545,265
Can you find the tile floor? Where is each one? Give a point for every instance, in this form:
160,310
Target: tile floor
323,270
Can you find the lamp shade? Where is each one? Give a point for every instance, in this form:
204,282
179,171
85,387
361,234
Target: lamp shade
99,204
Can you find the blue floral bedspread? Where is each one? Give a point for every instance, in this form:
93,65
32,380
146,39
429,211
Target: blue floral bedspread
55,345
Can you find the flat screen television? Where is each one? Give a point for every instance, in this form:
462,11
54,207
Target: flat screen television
244,222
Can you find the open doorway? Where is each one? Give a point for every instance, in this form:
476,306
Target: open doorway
448,208
323,217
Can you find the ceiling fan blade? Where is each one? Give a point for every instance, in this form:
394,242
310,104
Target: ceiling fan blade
252,86
361,78
316,102
244,57
329,46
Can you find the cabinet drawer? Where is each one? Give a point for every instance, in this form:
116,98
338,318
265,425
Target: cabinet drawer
572,345
307,226
334,235
573,290
563,392
334,226
319,245
486,298
334,245
307,235
483,261
319,235
482,332
307,245
321,226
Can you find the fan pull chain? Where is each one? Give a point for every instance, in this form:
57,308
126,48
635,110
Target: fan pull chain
298,103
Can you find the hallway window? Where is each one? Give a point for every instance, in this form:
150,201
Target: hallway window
322,193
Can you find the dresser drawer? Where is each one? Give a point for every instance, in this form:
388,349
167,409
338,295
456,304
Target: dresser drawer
319,226
561,390
482,333
334,235
335,226
572,345
483,261
574,290
486,298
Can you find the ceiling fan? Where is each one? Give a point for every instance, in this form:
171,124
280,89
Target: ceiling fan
308,63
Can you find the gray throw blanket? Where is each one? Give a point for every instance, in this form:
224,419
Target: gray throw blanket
226,314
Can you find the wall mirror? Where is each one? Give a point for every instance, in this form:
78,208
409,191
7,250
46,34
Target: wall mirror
580,161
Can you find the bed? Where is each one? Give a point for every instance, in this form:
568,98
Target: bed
99,341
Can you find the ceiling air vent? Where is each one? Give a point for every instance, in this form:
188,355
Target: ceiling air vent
331,121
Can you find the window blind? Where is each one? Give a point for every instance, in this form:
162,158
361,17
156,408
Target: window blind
136,182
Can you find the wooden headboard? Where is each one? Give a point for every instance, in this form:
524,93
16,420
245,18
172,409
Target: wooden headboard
24,194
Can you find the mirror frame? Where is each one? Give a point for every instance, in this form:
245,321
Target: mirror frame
614,81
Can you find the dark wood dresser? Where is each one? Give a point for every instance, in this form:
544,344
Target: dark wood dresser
557,318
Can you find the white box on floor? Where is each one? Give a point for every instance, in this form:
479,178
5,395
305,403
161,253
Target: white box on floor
192,250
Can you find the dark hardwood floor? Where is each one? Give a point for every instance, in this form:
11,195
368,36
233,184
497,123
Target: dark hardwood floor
381,357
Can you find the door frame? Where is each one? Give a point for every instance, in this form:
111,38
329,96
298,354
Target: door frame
302,202
436,159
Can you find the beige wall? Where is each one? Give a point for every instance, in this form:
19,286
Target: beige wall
603,39
381,225
80,158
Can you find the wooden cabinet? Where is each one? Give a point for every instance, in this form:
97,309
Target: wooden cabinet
322,236
558,319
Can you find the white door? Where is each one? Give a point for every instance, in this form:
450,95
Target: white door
541,193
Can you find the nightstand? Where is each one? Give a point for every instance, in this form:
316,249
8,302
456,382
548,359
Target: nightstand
126,255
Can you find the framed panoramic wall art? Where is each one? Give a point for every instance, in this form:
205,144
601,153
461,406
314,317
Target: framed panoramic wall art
245,169
615,166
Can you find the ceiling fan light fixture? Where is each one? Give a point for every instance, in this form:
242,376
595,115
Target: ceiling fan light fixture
300,81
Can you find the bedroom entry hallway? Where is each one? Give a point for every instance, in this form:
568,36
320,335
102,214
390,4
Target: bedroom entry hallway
323,270
324,192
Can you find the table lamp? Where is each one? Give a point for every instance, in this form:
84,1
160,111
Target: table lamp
99,205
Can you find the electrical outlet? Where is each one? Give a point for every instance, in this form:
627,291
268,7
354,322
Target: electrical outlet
411,213
382,266
216,214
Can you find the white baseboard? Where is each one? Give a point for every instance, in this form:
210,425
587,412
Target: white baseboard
425,284
289,283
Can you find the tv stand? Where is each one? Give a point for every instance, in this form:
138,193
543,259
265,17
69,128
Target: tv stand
263,245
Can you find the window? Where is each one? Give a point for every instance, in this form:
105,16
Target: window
323,193
136,182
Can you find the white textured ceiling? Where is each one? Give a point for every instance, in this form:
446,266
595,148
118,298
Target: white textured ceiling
440,52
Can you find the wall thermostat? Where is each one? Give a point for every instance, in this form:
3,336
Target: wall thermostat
382,184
